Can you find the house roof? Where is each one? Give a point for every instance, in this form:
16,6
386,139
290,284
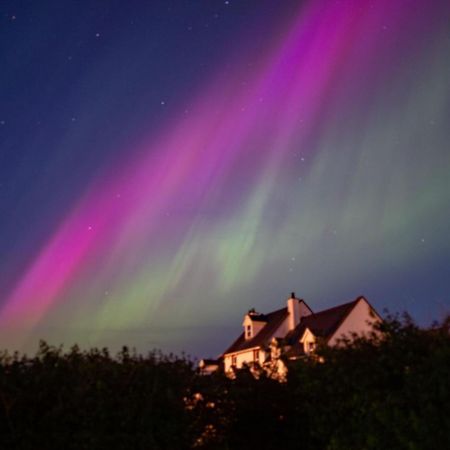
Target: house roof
209,362
273,321
258,317
322,324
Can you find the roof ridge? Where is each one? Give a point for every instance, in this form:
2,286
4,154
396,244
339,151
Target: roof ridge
337,307
276,311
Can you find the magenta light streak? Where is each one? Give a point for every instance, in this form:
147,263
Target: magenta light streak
194,159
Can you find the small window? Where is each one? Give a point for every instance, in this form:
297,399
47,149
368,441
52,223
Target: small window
311,346
233,360
256,355
249,331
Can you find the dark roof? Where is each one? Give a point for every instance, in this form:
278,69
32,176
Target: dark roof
210,362
274,320
324,323
258,317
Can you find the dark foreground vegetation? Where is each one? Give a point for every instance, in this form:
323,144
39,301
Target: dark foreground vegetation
389,393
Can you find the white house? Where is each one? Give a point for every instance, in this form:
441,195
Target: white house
295,330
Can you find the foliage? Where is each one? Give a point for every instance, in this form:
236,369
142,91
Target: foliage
390,390
89,400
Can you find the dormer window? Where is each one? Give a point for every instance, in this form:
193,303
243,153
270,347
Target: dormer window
253,323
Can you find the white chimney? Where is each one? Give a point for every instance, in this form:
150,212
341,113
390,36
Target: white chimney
293,307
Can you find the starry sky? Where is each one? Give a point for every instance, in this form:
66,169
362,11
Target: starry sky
166,165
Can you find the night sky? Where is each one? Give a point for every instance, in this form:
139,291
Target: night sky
167,165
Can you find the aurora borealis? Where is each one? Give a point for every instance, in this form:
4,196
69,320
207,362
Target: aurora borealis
165,166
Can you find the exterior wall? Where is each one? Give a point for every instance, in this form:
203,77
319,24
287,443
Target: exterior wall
293,312
358,321
296,309
255,325
245,356
209,369
309,341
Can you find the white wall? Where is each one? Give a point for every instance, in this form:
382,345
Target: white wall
307,339
296,310
356,322
208,370
255,325
245,356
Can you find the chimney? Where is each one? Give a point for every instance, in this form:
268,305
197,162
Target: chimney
293,308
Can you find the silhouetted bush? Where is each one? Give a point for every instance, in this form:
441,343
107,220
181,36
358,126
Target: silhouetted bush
89,400
391,391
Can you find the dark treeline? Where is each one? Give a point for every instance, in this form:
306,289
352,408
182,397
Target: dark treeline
389,392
